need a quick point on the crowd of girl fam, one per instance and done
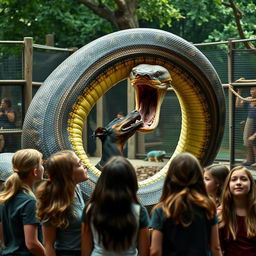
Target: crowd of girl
(209, 211)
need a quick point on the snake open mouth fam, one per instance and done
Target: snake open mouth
(151, 83)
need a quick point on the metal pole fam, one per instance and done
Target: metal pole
(130, 106)
(231, 105)
(99, 123)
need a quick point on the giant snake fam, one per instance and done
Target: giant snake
(56, 117)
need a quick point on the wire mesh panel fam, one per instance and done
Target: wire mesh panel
(166, 135)
(244, 66)
(10, 117)
(244, 62)
(218, 58)
(244, 128)
(224, 151)
(11, 67)
(115, 101)
(45, 61)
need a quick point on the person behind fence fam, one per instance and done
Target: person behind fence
(184, 222)
(7, 121)
(238, 214)
(250, 126)
(60, 204)
(114, 222)
(214, 179)
(19, 229)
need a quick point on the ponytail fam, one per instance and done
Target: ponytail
(11, 186)
(24, 161)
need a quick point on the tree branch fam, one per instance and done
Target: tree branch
(122, 18)
(126, 14)
(101, 10)
(238, 16)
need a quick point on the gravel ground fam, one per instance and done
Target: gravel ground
(144, 169)
(144, 172)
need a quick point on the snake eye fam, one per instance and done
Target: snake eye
(159, 73)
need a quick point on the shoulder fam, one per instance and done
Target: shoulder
(143, 217)
(158, 211)
(158, 219)
(158, 214)
(24, 196)
(26, 201)
(79, 192)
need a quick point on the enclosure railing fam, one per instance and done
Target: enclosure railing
(230, 59)
(237, 67)
(21, 89)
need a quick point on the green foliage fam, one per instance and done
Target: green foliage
(73, 24)
(211, 21)
(158, 10)
(229, 27)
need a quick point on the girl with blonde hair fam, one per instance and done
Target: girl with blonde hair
(184, 221)
(20, 230)
(238, 214)
(60, 204)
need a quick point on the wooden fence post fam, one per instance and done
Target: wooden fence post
(28, 64)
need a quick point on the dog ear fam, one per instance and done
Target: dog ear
(99, 132)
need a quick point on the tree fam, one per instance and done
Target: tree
(77, 22)
(238, 15)
(195, 20)
(124, 14)
(122, 17)
(71, 23)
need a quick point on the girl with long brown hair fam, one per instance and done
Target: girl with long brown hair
(238, 214)
(214, 179)
(184, 221)
(60, 204)
(115, 223)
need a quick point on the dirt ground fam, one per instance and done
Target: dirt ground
(144, 169)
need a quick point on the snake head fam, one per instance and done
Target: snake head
(151, 83)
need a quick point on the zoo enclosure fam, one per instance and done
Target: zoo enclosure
(24, 66)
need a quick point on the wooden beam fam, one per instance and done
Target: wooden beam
(28, 62)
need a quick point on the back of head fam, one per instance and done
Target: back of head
(111, 204)
(24, 161)
(118, 174)
(59, 167)
(184, 171)
(183, 188)
(55, 196)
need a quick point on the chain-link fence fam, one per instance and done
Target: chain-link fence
(14, 81)
(231, 59)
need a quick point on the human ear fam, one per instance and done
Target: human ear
(35, 172)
